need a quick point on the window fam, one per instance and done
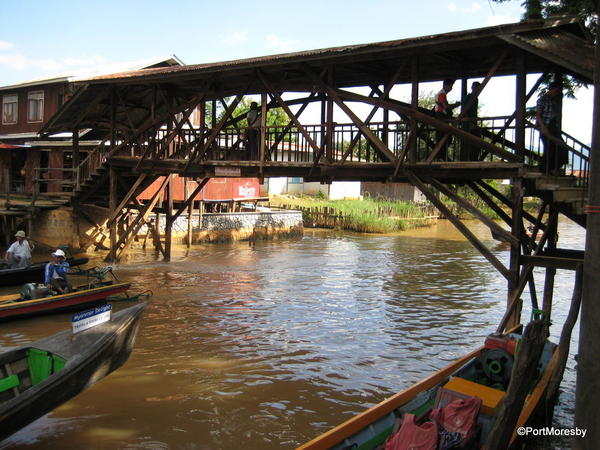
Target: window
(295, 180)
(10, 108)
(35, 106)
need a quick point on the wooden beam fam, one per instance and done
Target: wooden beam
(379, 145)
(191, 198)
(289, 112)
(523, 278)
(132, 192)
(112, 204)
(507, 202)
(388, 87)
(491, 224)
(458, 224)
(138, 221)
(403, 108)
(169, 220)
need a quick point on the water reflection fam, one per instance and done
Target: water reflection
(272, 344)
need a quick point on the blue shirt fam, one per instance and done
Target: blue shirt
(61, 270)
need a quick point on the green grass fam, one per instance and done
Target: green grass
(366, 215)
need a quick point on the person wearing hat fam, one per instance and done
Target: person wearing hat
(55, 275)
(18, 254)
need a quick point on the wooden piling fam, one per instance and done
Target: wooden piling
(523, 374)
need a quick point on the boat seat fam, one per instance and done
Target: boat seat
(9, 383)
(460, 388)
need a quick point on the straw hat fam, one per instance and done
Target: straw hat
(20, 233)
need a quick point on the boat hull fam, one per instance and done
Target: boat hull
(374, 424)
(60, 303)
(90, 356)
(33, 273)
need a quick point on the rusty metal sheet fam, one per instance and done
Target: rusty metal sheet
(564, 49)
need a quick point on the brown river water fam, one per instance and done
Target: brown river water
(267, 346)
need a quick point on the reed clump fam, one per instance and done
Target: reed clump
(366, 215)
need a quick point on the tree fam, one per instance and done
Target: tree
(539, 9)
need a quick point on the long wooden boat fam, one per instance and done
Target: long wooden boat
(37, 378)
(462, 379)
(12, 307)
(33, 273)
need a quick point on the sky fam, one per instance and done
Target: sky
(40, 38)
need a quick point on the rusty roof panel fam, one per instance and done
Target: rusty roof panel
(565, 49)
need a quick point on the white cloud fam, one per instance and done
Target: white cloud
(281, 45)
(4, 45)
(235, 37)
(500, 19)
(472, 8)
(84, 62)
(20, 62)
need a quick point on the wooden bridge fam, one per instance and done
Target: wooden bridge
(143, 122)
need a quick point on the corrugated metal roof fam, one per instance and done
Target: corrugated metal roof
(562, 48)
(308, 55)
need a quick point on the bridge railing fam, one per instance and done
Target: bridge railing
(349, 144)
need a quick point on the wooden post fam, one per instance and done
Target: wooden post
(112, 205)
(587, 401)
(188, 241)
(414, 102)
(565, 340)
(169, 221)
(550, 271)
(329, 127)
(515, 248)
(520, 101)
(76, 180)
(156, 236)
(523, 374)
(386, 122)
(263, 133)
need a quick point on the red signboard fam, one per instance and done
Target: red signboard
(215, 189)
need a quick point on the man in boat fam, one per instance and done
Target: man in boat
(55, 275)
(18, 255)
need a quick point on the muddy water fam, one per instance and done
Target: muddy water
(267, 346)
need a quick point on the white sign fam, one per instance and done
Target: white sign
(90, 318)
(228, 172)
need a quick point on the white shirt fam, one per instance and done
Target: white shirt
(253, 118)
(22, 250)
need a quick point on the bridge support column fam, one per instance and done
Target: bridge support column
(112, 206)
(515, 251)
(587, 401)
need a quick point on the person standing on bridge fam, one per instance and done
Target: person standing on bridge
(470, 106)
(443, 111)
(253, 131)
(547, 115)
(18, 254)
